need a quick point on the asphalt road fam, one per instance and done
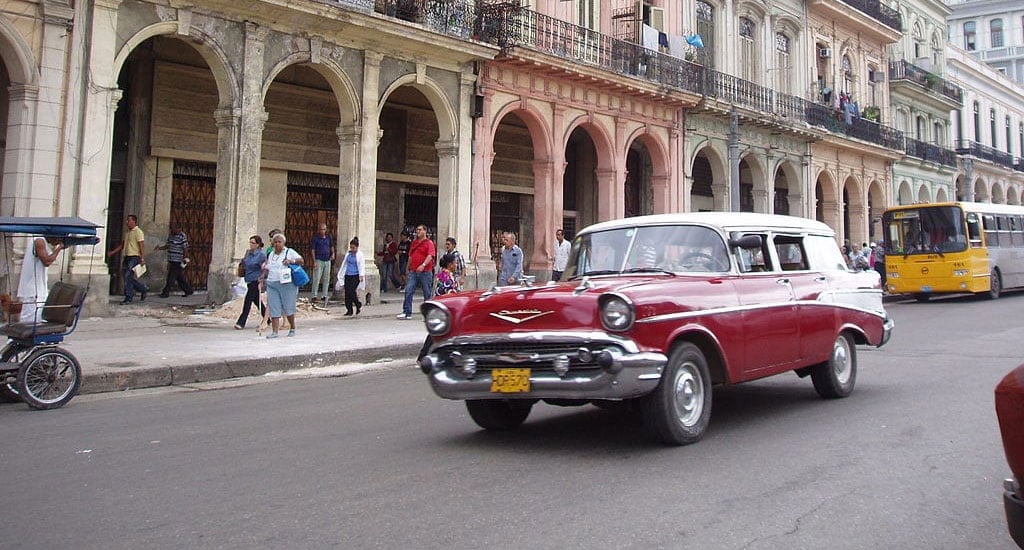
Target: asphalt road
(911, 460)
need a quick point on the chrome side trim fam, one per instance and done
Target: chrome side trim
(754, 307)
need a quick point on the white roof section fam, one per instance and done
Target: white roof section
(983, 207)
(727, 221)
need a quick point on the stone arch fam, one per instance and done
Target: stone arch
(655, 147)
(660, 170)
(209, 49)
(444, 111)
(981, 190)
(941, 196)
(535, 124)
(17, 55)
(1012, 196)
(791, 197)
(855, 211)
(826, 200)
(760, 185)
(923, 194)
(602, 141)
(998, 197)
(719, 185)
(344, 92)
(905, 195)
(876, 206)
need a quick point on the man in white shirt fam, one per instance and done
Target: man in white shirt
(561, 259)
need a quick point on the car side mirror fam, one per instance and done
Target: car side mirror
(744, 241)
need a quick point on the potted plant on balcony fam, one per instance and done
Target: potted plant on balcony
(872, 113)
(931, 81)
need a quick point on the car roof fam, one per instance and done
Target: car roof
(727, 221)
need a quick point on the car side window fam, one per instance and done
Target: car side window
(790, 251)
(823, 254)
(754, 260)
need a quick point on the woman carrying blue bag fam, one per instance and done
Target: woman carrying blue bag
(282, 283)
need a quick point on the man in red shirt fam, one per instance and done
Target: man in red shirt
(421, 270)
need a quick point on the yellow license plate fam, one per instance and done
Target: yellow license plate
(510, 380)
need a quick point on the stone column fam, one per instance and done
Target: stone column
(858, 223)
(362, 220)
(447, 188)
(461, 220)
(543, 224)
(968, 180)
(237, 198)
(19, 154)
(607, 183)
(349, 138)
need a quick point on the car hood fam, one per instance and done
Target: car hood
(569, 305)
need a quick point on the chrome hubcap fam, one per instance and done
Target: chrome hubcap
(689, 399)
(841, 360)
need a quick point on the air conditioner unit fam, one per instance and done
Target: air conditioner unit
(824, 52)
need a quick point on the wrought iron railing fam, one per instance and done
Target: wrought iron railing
(1020, 165)
(904, 70)
(456, 18)
(876, 10)
(975, 149)
(929, 152)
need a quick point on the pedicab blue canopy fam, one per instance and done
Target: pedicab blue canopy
(71, 230)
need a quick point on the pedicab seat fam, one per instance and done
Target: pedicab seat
(60, 312)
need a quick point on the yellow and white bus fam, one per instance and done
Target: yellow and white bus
(953, 247)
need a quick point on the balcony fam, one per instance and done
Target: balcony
(510, 26)
(456, 18)
(977, 150)
(931, 153)
(903, 71)
(881, 13)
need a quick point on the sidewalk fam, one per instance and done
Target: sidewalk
(178, 340)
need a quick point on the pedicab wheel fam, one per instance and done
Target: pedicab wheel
(12, 353)
(49, 378)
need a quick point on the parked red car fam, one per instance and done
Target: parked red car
(1010, 411)
(656, 310)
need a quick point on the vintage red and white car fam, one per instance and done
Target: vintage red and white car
(654, 311)
(1010, 411)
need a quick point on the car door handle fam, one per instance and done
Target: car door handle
(782, 281)
(820, 279)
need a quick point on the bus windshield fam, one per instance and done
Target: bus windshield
(926, 230)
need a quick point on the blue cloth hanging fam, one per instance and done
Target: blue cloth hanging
(695, 41)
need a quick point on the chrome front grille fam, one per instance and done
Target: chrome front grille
(539, 356)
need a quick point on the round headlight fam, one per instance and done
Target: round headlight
(438, 321)
(616, 314)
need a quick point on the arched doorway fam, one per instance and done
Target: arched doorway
(579, 183)
(512, 199)
(855, 211)
(923, 195)
(906, 195)
(710, 186)
(876, 206)
(408, 165)
(164, 153)
(941, 196)
(299, 161)
(981, 193)
(638, 196)
(746, 187)
(827, 210)
(997, 194)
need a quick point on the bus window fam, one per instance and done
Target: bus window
(1017, 230)
(991, 230)
(974, 230)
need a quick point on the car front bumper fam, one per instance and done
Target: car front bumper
(887, 331)
(563, 365)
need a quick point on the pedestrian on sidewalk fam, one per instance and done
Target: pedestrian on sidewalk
(421, 270)
(33, 287)
(561, 257)
(352, 277)
(403, 258)
(252, 263)
(324, 251)
(177, 258)
(452, 275)
(388, 261)
(134, 247)
(282, 293)
(511, 260)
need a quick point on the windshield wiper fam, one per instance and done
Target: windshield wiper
(598, 272)
(649, 270)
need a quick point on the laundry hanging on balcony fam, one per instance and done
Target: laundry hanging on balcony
(650, 38)
(695, 40)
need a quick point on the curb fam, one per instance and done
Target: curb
(177, 375)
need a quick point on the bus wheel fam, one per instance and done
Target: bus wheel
(995, 285)
(922, 297)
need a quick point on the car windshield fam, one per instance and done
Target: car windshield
(654, 249)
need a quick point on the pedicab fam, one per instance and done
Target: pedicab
(34, 368)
